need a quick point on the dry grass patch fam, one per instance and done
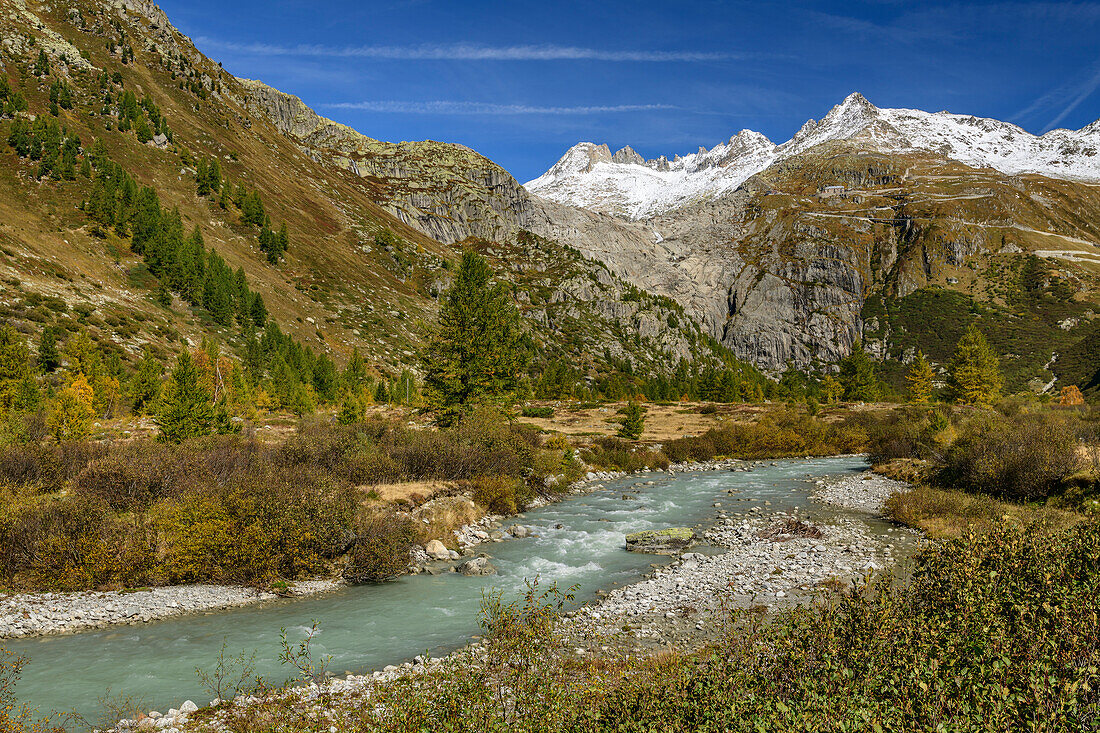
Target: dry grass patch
(413, 492)
(662, 422)
(439, 518)
(909, 470)
(950, 514)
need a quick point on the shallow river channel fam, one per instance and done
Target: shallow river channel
(579, 541)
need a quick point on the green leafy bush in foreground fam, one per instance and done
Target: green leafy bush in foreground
(998, 632)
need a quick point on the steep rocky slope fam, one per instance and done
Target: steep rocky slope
(372, 225)
(777, 250)
(445, 190)
(783, 254)
(781, 273)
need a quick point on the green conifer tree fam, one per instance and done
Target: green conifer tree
(282, 240)
(479, 353)
(202, 178)
(49, 358)
(42, 64)
(632, 423)
(353, 410)
(857, 376)
(186, 410)
(16, 374)
(145, 386)
(325, 379)
(355, 373)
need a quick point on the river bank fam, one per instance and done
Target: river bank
(745, 563)
(43, 614)
(767, 561)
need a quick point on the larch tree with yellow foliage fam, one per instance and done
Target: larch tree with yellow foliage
(920, 378)
(71, 417)
(831, 389)
(975, 374)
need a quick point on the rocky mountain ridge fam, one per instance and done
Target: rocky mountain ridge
(445, 190)
(772, 251)
(624, 184)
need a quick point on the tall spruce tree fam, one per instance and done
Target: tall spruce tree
(975, 374)
(479, 353)
(632, 422)
(857, 376)
(49, 358)
(16, 373)
(325, 379)
(186, 410)
(146, 383)
(355, 373)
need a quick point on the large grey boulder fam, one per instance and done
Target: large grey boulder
(437, 550)
(479, 565)
(661, 541)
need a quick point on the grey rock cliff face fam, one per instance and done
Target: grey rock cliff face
(774, 308)
(447, 191)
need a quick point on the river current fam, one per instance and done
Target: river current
(580, 541)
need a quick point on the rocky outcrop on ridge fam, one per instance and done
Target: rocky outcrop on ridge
(445, 190)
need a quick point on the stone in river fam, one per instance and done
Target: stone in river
(476, 566)
(436, 549)
(661, 541)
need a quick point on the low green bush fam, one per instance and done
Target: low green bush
(1023, 458)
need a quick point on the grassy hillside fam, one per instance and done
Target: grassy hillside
(354, 275)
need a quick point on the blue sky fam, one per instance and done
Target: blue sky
(522, 81)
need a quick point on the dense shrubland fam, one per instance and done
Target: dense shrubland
(622, 455)
(789, 432)
(233, 509)
(1022, 451)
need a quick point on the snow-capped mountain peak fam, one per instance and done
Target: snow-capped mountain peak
(623, 183)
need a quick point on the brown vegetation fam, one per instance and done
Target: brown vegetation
(231, 509)
(789, 529)
(775, 435)
(950, 513)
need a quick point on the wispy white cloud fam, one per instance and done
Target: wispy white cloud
(445, 107)
(1065, 99)
(907, 28)
(1082, 93)
(467, 52)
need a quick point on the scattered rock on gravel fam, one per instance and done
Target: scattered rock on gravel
(865, 492)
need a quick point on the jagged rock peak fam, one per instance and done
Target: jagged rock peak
(581, 158)
(628, 155)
